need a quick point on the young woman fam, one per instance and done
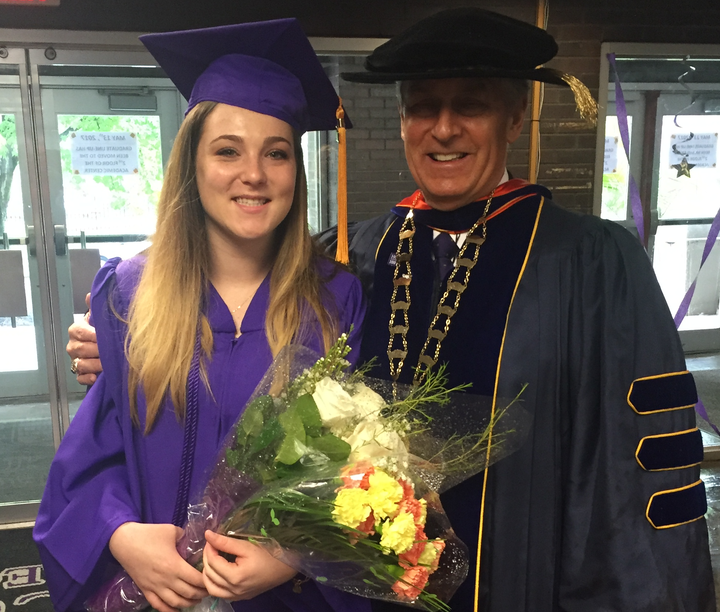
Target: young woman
(187, 330)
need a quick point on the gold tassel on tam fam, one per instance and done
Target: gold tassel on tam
(586, 104)
(342, 254)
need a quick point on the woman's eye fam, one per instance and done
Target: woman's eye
(227, 152)
(278, 154)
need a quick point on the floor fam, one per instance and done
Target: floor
(26, 449)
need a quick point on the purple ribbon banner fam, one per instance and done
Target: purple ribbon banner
(638, 217)
(621, 110)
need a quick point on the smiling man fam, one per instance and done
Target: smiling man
(456, 134)
(602, 508)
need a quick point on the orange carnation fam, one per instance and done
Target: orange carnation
(368, 525)
(408, 491)
(412, 582)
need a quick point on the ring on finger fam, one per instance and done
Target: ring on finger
(74, 365)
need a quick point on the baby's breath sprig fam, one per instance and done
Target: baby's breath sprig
(332, 365)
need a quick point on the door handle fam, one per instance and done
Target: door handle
(32, 246)
(60, 239)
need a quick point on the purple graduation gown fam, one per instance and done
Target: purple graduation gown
(107, 472)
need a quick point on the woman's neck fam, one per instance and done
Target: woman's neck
(234, 261)
(237, 269)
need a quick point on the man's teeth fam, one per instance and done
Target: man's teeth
(446, 157)
(250, 201)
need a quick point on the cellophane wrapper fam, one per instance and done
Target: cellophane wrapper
(339, 476)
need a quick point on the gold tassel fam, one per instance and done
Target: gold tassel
(586, 104)
(342, 254)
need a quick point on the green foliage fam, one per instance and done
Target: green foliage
(331, 446)
(309, 413)
(614, 195)
(270, 432)
(8, 133)
(433, 390)
(293, 445)
(253, 418)
(8, 163)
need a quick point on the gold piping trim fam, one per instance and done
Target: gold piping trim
(665, 435)
(647, 512)
(383, 238)
(492, 416)
(632, 385)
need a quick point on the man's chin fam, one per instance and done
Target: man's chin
(448, 202)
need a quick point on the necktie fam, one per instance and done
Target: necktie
(445, 252)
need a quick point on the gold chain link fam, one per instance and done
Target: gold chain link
(403, 279)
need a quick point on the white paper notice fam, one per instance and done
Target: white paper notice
(700, 150)
(104, 153)
(611, 149)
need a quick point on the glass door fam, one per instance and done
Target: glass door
(686, 199)
(84, 136)
(27, 426)
(107, 130)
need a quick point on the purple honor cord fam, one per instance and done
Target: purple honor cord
(639, 219)
(190, 438)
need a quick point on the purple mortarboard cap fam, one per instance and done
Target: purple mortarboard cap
(267, 66)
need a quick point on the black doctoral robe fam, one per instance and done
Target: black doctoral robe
(602, 507)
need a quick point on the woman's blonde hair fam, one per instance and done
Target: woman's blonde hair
(167, 312)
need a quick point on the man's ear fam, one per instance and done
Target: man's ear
(516, 120)
(402, 122)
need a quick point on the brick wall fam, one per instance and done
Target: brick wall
(378, 175)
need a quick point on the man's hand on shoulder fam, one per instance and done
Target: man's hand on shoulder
(83, 347)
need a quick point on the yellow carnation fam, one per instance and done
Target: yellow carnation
(351, 507)
(423, 512)
(384, 494)
(428, 554)
(399, 534)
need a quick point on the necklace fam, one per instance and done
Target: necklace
(440, 325)
(232, 314)
(238, 307)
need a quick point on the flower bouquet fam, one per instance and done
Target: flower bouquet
(339, 475)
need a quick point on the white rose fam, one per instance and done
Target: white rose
(369, 403)
(371, 440)
(334, 403)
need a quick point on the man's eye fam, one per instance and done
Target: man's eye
(422, 109)
(471, 107)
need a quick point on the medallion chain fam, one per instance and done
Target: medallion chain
(440, 325)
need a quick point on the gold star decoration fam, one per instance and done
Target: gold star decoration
(683, 168)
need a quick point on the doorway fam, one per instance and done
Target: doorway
(84, 137)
